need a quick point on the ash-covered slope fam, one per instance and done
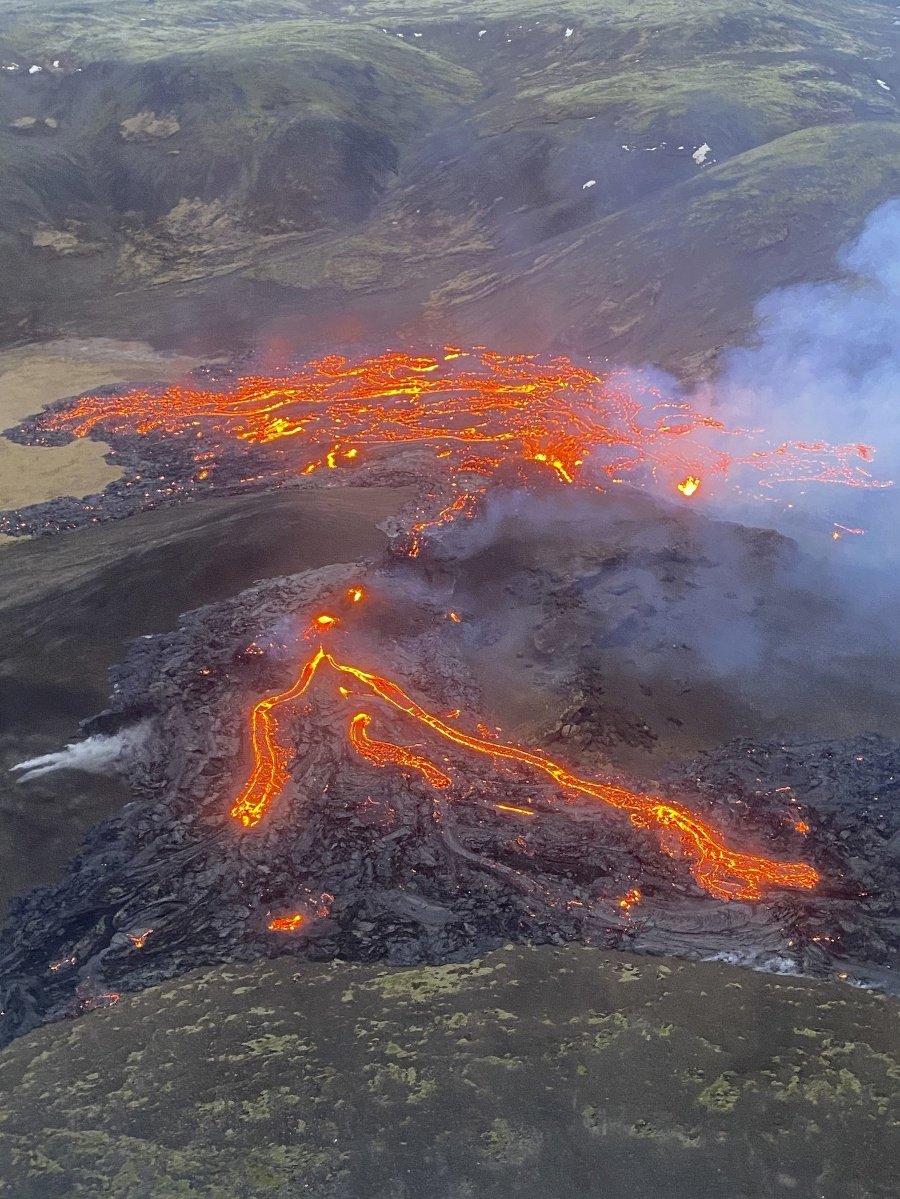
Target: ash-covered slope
(361, 854)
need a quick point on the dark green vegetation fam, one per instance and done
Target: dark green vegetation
(547, 1074)
(220, 169)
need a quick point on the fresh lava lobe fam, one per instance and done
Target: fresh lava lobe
(723, 872)
(287, 924)
(383, 753)
(631, 897)
(481, 412)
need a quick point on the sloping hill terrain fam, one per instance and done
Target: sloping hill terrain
(547, 1072)
(602, 178)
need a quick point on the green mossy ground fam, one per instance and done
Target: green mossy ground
(418, 168)
(535, 1072)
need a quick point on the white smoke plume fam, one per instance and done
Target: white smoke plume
(826, 365)
(97, 755)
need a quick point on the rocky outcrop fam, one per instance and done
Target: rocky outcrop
(146, 126)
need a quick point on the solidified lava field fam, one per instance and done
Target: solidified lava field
(313, 763)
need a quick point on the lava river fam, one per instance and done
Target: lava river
(479, 413)
(723, 872)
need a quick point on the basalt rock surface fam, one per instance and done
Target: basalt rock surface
(382, 865)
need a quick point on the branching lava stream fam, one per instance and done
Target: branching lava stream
(481, 413)
(462, 856)
(723, 872)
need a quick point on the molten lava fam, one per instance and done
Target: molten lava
(629, 899)
(482, 413)
(287, 924)
(383, 753)
(723, 872)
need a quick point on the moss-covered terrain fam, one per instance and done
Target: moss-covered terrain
(515, 172)
(536, 1072)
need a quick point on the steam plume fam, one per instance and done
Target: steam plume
(827, 361)
(97, 755)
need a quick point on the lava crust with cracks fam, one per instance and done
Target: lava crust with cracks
(460, 419)
(270, 818)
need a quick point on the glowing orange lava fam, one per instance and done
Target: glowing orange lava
(286, 924)
(629, 899)
(383, 753)
(103, 1000)
(723, 872)
(139, 940)
(482, 412)
(462, 506)
(321, 624)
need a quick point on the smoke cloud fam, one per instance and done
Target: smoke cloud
(826, 365)
(97, 755)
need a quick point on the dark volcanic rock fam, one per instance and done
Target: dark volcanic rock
(176, 467)
(381, 865)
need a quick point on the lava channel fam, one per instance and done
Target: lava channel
(480, 413)
(723, 872)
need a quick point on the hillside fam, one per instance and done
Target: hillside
(207, 175)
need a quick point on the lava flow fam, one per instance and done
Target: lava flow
(482, 412)
(723, 872)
